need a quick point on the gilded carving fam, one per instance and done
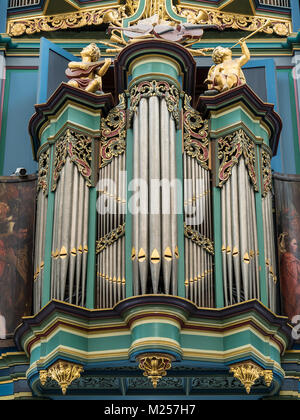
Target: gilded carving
(248, 373)
(78, 148)
(116, 14)
(87, 74)
(64, 373)
(227, 73)
(75, 20)
(199, 239)
(266, 172)
(110, 238)
(161, 89)
(113, 133)
(155, 366)
(234, 21)
(43, 171)
(231, 148)
(196, 138)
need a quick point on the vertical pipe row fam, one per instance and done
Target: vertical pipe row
(42, 202)
(70, 236)
(157, 161)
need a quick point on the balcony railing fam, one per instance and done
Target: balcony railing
(13, 4)
(275, 3)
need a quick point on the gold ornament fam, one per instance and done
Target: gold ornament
(248, 373)
(155, 366)
(227, 73)
(64, 373)
(268, 376)
(43, 377)
(87, 74)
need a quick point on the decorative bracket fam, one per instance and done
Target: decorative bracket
(155, 366)
(248, 373)
(64, 373)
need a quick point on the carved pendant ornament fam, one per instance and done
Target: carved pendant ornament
(64, 373)
(78, 148)
(248, 373)
(113, 133)
(43, 172)
(161, 89)
(196, 137)
(231, 148)
(155, 366)
(266, 169)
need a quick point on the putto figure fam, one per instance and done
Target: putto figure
(87, 74)
(227, 73)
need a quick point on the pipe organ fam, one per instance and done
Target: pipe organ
(154, 195)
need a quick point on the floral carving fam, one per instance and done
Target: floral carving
(43, 171)
(234, 20)
(199, 239)
(113, 133)
(231, 148)
(266, 172)
(110, 238)
(161, 89)
(196, 138)
(79, 148)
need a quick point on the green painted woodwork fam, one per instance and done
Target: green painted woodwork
(233, 117)
(154, 69)
(225, 339)
(155, 329)
(72, 116)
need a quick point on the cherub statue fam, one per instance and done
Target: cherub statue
(87, 74)
(227, 73)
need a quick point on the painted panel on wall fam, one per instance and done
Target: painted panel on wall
(19, 101)
(287, 198)
(17, 213)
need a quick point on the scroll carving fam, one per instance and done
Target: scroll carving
(196, 138)
(160, 89)
(113, 133)
(43, 172)
(266, 172)
(231, 148)
(79, 148)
